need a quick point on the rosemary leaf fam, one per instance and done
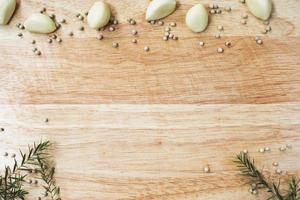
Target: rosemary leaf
(247, 167)
(12, 183)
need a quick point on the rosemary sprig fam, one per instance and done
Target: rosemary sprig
(29, 159)
(11, 184)
(247, 167)
(47, 175)
(294, 189)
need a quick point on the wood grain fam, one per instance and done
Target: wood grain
(155, 151)
(84, 70)
(131, 125)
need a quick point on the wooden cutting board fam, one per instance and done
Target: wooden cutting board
(129, 124)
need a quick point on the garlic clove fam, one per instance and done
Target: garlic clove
(99, 15)
(7, 8)
(197, 18)
(158, 9)
(260, 8)
(39, 23)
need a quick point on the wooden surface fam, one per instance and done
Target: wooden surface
(133, 125)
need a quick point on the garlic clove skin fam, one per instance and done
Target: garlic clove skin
(158, 9)
(7, 9)
(197, 18)
(39, 23)
(99, 15)
(260, 8)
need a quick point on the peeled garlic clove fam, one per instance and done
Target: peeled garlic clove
(197, 18)
(99, 15)
(7, 8)
(158, 9)
(260, 8)
(39, 23)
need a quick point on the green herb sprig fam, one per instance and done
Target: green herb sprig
(12, 183)
(247, 167)
(47, 175)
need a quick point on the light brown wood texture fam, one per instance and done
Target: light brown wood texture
(132, 125)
